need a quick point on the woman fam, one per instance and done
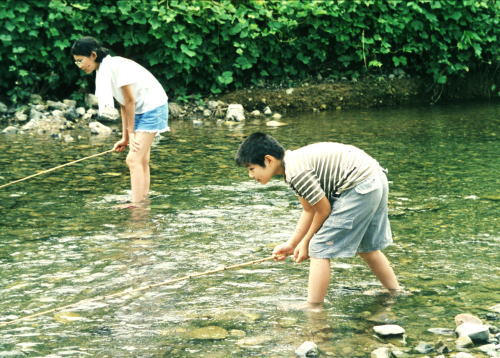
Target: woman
(143, 106)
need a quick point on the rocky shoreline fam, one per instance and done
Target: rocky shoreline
(56, 119)
(59, 119)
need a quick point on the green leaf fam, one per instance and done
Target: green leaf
(187, 51)
(226, 78)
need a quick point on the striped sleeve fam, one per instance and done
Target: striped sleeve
(306, 184)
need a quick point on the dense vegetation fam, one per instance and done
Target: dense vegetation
(209, 46)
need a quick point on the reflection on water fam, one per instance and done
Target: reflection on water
(62, 241)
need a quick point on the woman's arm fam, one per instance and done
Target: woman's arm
(127, 111)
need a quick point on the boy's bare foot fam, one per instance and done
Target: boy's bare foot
(301, 306)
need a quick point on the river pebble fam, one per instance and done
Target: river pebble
(389, 330)
(308, 349)
(382, 352)
(424, 348)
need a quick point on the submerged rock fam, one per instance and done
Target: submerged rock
(209, 332)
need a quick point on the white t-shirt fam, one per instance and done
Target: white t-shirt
(148, 92)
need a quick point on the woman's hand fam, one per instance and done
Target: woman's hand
(120, 145)
(282, 251)
(301, 252)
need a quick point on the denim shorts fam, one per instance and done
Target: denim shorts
(358, 222)
(155, 120)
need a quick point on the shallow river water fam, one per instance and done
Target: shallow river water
(61, 241)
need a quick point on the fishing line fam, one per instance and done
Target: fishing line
(55, 168)
(128, 291)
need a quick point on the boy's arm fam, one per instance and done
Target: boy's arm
(310, 221)
(321, 211)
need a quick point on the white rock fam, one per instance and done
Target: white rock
(389, 330)
(267, 111)
(80, 111)
(10, 130)
(275, 124)
(20, 116)
(256, 113)
(382, 352)
(289, 91)
(235, 112)
(476, 332)
(463, 355)
(91, 100)
(110, 114)
(307, 349)
(70, 103)
(99, 129)
(495, 308)
(276, 116)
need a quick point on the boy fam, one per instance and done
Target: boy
(343, 192)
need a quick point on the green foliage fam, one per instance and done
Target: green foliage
(208, 46)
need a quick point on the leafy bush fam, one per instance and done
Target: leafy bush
(209, 46)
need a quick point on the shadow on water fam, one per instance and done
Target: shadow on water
(61, 241)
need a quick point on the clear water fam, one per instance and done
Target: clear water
(62, 241)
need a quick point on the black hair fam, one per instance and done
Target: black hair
(255, 147)
(87, 44)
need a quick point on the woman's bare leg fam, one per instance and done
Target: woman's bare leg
(138, 163)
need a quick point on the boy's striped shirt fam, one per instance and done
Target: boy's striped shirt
(326, 169)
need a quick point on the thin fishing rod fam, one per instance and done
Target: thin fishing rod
(55, 168)
(127, 291)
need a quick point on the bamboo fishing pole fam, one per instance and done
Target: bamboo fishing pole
(55, 168)
(126, 291)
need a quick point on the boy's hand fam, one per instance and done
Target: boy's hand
(282, 251)
(301, 252)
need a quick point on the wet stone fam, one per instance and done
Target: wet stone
(307, 349)
(382, 352)
(464, 342)
(463, 355)
(389, 330)
(424, 348)
(495, 308)
(442, 331)
(209, 332)
(476, 332)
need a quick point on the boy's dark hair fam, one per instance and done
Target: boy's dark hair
(85, 46)
(255, 147)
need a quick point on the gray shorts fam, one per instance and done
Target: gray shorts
(358, 222)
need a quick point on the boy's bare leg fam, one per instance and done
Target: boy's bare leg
(381, 267)
(319, 278)
(138, 163)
